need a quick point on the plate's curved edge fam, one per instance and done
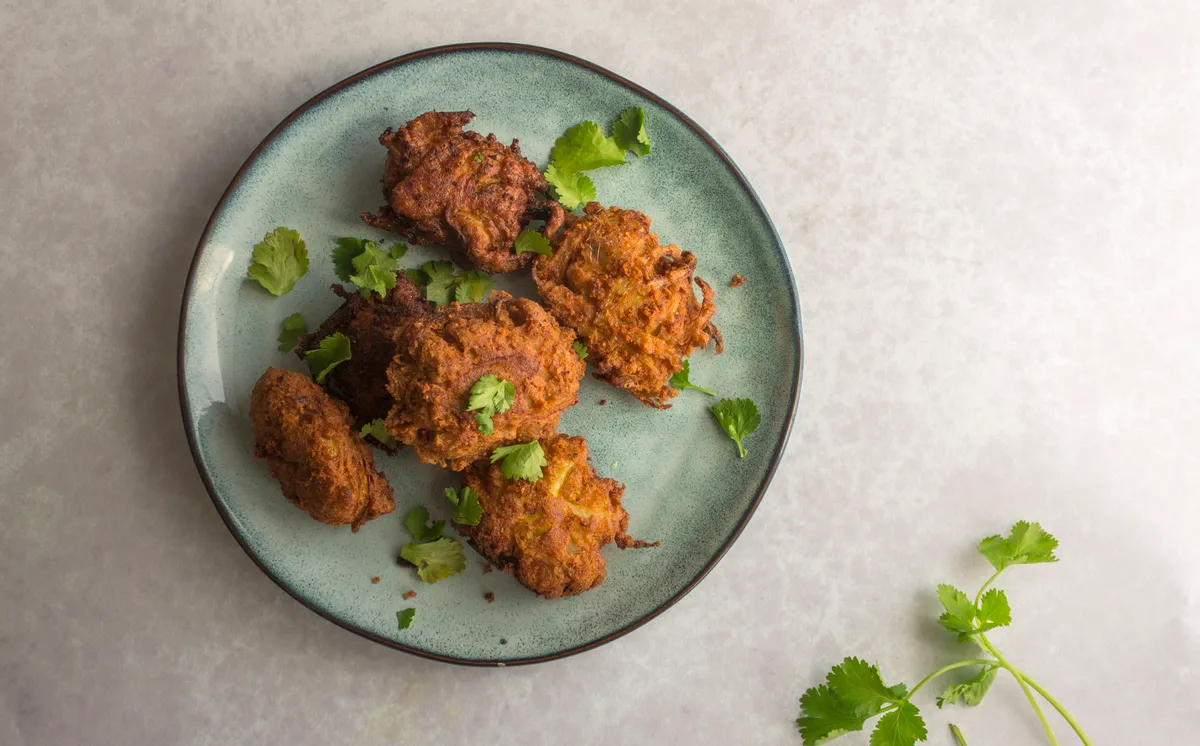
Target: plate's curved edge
(793, 295)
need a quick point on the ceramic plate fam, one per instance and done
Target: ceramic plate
(685, 485)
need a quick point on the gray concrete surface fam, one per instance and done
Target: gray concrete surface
(991, 209)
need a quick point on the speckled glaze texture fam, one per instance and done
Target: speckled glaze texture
(685, 485)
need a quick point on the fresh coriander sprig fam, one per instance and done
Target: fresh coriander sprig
(436, 557)
(738, 418)
(377, 430)
(854, 691)
(442, 285)
(278, 261)
(290, 331)
(521, 461)
(585, 147)
(329, 353)
(490, 396)
(680, 380)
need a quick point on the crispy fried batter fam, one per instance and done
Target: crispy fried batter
(375, 327)
(458, 189)
(548, 533)
(322, 465)
(629, 299)
(447, 351)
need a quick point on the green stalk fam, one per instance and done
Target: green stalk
(985, 585)
(951, 667)
(958, 736)
(1020, 677)
(1061, 710)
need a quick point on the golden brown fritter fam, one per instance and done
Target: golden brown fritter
(628, 299)
(458, 189)
(548, 533)
(448, 350)
(375, 327)
(322, 465)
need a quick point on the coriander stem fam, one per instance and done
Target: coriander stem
(1061, 710)
(958, 736)
(951, 667)
(988, 583)
(1020, 677)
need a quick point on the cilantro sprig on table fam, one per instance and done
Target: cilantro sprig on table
(278, 261)
(585, 147)
(442, 285)
(365, 264)
(680, 380)
(329, 353)
(467, 510)
(738, 418)
(436, 557)
(490, 396)
(854, 691)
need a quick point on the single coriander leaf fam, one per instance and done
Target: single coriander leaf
(398, 250)
(960, 612)
(629, 131)
(739, 418)
(439, 288)
(532, 242)
(290, 332)
(521, 461)
(473, 287)
(570, 187)
(467, 510)
(580, 349)
(900, 727)
(374, 271)
(994, 610)
(416, 277)
(435, 560)
(898, 690)
(491, 395)
(680, 380)
(376, 430)
(331, 351)
(478, 157)
(824, 716)
(584, 147)
(486, 426)
(416, 522)
(1027, 544)
(279, 260)
(405, 617)
(858, 684)
(343, 256)
(971, 691)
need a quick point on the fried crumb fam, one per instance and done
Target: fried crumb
(375, 580)
(487, 569)
(490, 596)
(737, 281)
(409, 594)
(603, 402)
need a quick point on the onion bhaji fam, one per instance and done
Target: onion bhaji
(628, 298)
(375, 327)
(548, 534)
(458, 189)
(446, 351)
(322, 465)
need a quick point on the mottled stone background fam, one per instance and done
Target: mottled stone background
(992, 212)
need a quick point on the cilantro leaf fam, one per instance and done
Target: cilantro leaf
(435, 560)
(279, 260)
(521, 461)
(960, 612)
(971, 691)
(629, 131)
(570, 187)
(739, 418)
(580, 349)
(416, 523)
(343, 256)
(858, 684)
(490, 396)
(1026, 544)
(374, 271)
(467, 510)
(398, 250)
(900, 727)
(440, 283)
(331, 351)
(824, 716)
(530, 241)
(585, 147)
(994, 610)
(290, 332)
(472, 287)
(680, 380)
(484, 420)
(376, 430)
(405, 617)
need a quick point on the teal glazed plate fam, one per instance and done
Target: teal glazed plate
(685, 485)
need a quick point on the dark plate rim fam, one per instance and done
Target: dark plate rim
(526, 49)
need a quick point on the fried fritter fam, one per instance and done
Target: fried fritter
(448, 350)
(458, 189)
(375, 327)
(322, 465)
(629, 299)
(548, 534)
